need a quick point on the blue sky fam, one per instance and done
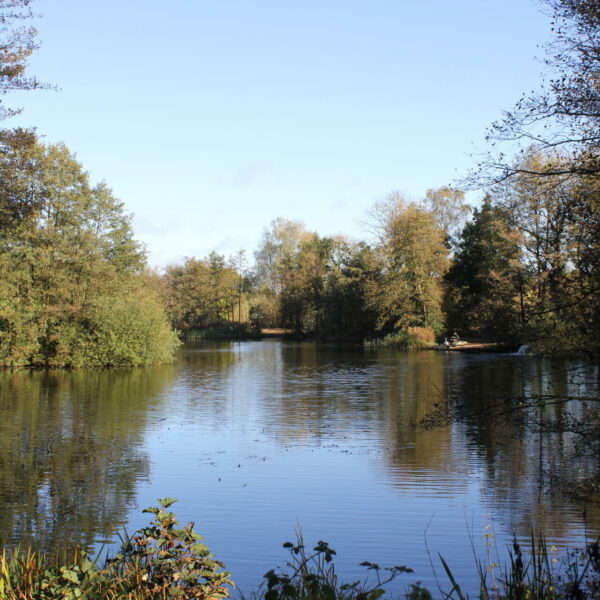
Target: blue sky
(211, 118)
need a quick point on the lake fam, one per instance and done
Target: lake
(259, 439)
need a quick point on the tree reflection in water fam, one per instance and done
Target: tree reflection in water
(70, 451)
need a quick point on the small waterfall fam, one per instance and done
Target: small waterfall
(522, 351)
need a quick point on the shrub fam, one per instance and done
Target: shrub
(158, 562)
(412, 338)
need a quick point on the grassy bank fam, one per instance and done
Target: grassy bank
(162, 561)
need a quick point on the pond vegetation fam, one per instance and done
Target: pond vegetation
(162, 561)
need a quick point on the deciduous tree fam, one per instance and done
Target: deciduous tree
(414, 258)
(449, 209)
(64, 262)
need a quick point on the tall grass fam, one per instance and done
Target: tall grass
(539, 574)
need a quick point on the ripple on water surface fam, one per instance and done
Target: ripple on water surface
(258, 438)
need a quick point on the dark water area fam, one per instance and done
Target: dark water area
(257, 439)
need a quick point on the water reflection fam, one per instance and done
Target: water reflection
(70, 451)
(525, 461)
(320, 396)
(256, 437)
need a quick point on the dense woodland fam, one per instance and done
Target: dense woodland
(522, 266)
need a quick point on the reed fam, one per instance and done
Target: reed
(541, 573)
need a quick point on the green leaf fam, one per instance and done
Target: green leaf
(70, 575)
(455, 586)
(166, 502)
(376, 593)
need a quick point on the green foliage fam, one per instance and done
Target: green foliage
(312, 576)
(265, 308)
(28, 575)
(526, 266)
(129, 331)
(408, 290)
(245, 331)
(158, 562)
(485, 280)
(334, 288)
(71, 291)
(206, 293)
(550, 189)
(163, 561)
(412, 338)
(346, 313)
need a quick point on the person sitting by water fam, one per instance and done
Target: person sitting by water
(454, 339)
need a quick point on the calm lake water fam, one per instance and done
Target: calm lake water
(257, 439)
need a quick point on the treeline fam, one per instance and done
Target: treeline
(329, 287)
(75, 289)
(72, 291)
(522, 267)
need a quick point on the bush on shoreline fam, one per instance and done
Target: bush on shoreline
(412, 338)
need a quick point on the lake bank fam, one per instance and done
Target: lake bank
(478, 347)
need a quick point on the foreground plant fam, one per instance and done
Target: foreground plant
(158, 562)
(543, 574)
(28, 575)
(312, 576)
(162, 561)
